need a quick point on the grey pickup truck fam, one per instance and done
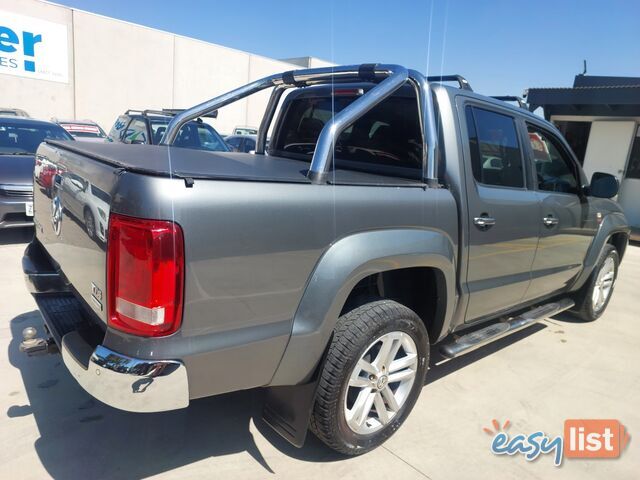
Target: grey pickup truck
(393, 216)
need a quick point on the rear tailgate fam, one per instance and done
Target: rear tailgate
(71, 219)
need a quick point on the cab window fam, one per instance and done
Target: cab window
(555, 171)
(496, 157)
(386, 140)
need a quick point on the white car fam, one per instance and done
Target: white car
(86, 202)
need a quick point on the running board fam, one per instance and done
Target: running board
(476, 339)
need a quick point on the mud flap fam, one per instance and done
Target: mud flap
(287, 410)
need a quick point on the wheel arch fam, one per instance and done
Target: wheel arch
(348, 262)
(614, 230)
(422, 289)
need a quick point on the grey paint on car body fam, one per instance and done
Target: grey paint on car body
(271, 257)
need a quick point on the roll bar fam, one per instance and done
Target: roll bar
(389, 78)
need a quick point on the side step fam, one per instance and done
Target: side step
(476, 339)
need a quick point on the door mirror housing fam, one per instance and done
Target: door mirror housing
(603, 185)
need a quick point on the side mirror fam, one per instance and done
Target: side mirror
(603, 185)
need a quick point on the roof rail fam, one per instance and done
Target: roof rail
(464, 84)
(166, 112)
(176, 111)
(512, 98)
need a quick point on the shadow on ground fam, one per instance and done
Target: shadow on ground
(81, 437)
(11, 236)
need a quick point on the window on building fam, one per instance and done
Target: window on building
(577, 136)
(496, 157)
(554, 168)
(633, 170)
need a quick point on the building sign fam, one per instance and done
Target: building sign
(33, 48)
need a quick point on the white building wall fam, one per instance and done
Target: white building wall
(119, 66)
(202, 71)
(116, 65)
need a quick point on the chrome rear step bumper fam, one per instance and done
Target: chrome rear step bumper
(473, 340)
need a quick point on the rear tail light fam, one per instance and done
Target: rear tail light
(145, 275)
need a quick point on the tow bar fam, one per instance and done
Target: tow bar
(33, 346)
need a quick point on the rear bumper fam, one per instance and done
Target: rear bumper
(13, 212)
(127, 383)
(123, 382)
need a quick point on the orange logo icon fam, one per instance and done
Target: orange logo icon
(594, 438)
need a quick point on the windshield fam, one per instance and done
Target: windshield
(24, 138)
(195, 135)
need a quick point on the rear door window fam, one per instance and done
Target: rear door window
(496, 156)
(386, 140)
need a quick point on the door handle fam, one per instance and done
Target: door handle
(550, 221)
(484, 222)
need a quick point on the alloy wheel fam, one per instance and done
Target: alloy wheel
(380, 383)
(604, 284)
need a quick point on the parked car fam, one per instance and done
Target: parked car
(13, 112)
(83, 130)
(148, 127)
(245, 131)
(378, 230)
(242, 143)
(19, 139)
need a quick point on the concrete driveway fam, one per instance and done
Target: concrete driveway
(537, 378)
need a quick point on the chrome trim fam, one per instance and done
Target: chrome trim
(424, 94)
(127, 383)
(484, 221)
(478, 338)
(326, 141)
(269, 112)
(16, 190)
(215, 103)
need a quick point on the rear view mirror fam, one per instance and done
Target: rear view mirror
(603, 185)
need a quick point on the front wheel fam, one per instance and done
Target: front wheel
(593, 298)
(372, 376)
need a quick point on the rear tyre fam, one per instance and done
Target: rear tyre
(372, 376)
(593, 298)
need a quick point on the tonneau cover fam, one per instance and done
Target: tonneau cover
(185, 162)
(202, 164)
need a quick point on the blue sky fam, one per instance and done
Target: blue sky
(501, 46)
